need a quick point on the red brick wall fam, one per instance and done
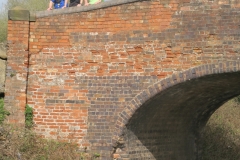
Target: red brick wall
(85, 66)
(16, 73)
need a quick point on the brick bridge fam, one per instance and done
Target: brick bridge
(128, 79)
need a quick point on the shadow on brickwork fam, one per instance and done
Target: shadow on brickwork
(167, 126)
(2, 95)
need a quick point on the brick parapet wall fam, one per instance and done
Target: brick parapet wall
(88, 63)
(17, 70)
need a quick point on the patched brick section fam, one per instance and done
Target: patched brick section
(60, 106)
(108, 94)
(63, 98)
(16, 72)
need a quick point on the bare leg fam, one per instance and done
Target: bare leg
(80, 4)
(86, 3)
(98, 1)
(50, 5)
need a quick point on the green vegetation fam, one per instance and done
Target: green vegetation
(3, 112)
(96, 155)
(31, 5)
(21, 143)
(221, 136)
(3, 28)
(28, 116)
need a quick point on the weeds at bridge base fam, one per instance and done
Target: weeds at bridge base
(23, 144)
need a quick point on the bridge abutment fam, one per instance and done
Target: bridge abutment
(17, 65)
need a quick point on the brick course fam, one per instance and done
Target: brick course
(17, 70)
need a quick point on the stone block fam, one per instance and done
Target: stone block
(18, 14)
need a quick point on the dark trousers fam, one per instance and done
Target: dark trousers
(74, 3)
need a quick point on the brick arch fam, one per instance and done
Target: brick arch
(162, 85)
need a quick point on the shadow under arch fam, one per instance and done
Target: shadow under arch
(163, 121)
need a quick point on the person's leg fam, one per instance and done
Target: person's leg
(94, 1)
(80, 3)
(65, 4)
(98, 1)
(85, 3)
(74, 3)
(50, 6)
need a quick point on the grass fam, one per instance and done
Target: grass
(3, 112)
(3, 27)
(28, 117)
(19, 143)
(221, 136)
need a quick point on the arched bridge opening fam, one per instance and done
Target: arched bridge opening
(166, 126)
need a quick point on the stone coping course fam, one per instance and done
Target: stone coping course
(69, 10)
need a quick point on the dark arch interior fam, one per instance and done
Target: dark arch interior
(166, 127)
(2, 95)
